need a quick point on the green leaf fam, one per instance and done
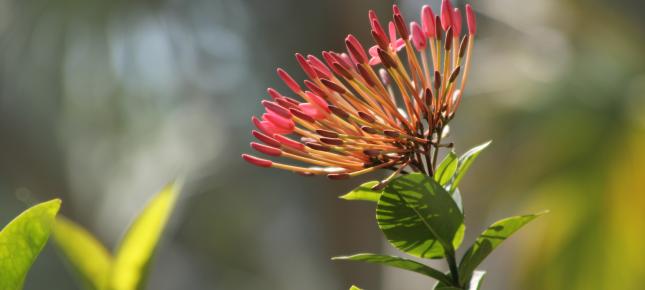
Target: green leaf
(446, 169)
(130, 268)
(363, 192)
(87, 257)
(488, 241)
(22, 240)
(398, 262)
(465, 161)
(354, 288)
(419, 217)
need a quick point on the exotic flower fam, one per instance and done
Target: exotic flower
(355, 117)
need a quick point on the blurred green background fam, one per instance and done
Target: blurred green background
(102, 102)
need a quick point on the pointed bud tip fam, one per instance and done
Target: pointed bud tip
(257, 161)
(470, 19)
(268, 150)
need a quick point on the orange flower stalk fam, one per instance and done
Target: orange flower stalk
(386, 107)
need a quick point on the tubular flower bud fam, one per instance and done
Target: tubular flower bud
(456, 22)
(446, 14)
(427, 21)
(470, 19)
(418, 37)
(356, 117)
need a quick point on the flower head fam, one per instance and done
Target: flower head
(361, 111)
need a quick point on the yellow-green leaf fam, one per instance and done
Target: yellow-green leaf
(446, 169)
(22, 240)
(354, 288)
(87, 257)
(363, 192)
(489, 240)
(131, 261)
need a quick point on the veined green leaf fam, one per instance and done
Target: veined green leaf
(363, 192)
(130, 268)
(465, 161)
(22, 240)
(397, 262)
(87, 257)
(419, 217)
(446, 169)
(488, 241)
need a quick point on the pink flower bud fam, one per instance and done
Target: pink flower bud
(470, 18)
(319, 66)
(277, 120)
(355, 49)
(313, 111)
(257, 161)
(446, 14)
(456, 23)
(275, 108)
(289, 143)
(427, 21)
(304, 64)
(268, 150)
(274, 94)
(289, 81)
(418, 37)
(266, 139)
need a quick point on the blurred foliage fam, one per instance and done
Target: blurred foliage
(22, 240)
(128, 269)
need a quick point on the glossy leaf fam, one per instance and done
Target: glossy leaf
(419, 217)
(446, 169)
(488, 241)
(398, 262)
(87, 257)
(22, 240)
(354, 288)
(465, 161)
(130, 268)
(363, 192)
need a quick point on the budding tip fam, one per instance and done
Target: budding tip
(470, 19)
(268, 150)
(257, 161)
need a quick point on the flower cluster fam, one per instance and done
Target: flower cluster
(385, 107)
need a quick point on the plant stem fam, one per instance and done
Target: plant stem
(452, 263)
(436, 148)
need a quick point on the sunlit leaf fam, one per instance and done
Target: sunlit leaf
(363, 192)
(465, 161)
(354, 288)
(87, 257)
(130, 268)
(419, 217)
(488, 241)
(397, 262)
(446, 169)
(22, 240)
